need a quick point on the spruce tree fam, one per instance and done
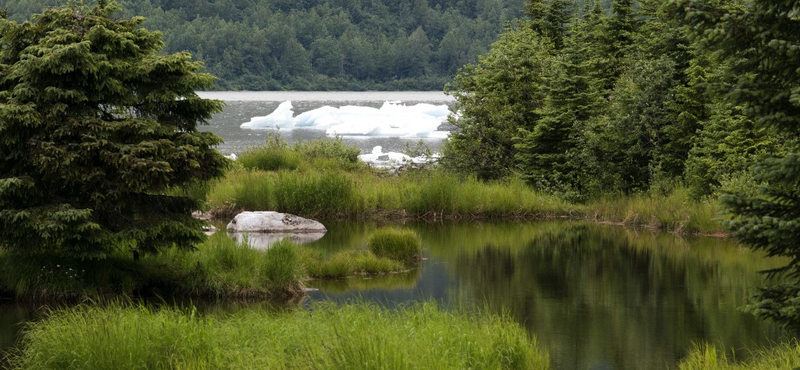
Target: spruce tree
(764, 39)
(495, 97)
(95, 128)
(551, 152)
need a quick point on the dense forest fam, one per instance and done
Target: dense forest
(321, 44)
(608, 102)
(649, 97)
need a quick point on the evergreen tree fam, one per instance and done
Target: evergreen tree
(549, 19)
(764, 37)
(496, 97)
(551, 153)
(95, 127)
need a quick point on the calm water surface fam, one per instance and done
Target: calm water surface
(598, 297)
(241, 106)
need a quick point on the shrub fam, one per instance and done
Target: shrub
(398, 244)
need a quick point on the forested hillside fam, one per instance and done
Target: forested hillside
(321, 44)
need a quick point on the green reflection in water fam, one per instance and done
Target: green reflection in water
(605, 297)
(599, 297)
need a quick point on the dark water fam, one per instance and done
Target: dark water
(242, 106)
(598, 297)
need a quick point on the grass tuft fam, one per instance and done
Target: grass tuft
(706, 357)
(398, 244)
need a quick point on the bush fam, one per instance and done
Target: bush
(400, 245)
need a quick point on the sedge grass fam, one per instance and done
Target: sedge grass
(397, 244)
(672, 212)
(217, 268)
(706, 357)
(353, 336)
(324, 178)
(347, 263)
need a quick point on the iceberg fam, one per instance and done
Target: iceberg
(392, 119)
(281, 118)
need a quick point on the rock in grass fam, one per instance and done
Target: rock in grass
(273, 222)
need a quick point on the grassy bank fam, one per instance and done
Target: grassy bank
(783, 356)
(219, 268)
(434, 195)
(325, 179)
(356, 336)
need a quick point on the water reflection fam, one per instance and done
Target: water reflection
(598, 297)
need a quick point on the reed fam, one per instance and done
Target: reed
(353, 336)
(705, 357)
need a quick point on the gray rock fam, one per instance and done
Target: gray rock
(273, 222)
(266, 240)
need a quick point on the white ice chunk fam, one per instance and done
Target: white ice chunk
(391, 120)
(378, 159)
(282, 117)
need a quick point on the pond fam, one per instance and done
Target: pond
(597, 296)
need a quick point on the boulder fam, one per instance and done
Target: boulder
(273, 222)
(266, 240)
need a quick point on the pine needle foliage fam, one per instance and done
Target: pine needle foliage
(763, 37)
(95, 126)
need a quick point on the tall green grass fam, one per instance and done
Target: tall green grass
(347, 263)
(222, 268)
(308, 194)
(675, 211)
(362, 194)
(329, 181)
(218, 268)
(398, 244)
(276, 155)
(354, 336)
(704, 357)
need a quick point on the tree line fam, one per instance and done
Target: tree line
(648, 97)
(594, 101)
(320, 44)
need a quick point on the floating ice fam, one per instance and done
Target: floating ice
(378, 159)
(282, 117)
(392, 120)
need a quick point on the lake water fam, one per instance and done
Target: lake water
(242, 106)
(598, 297)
